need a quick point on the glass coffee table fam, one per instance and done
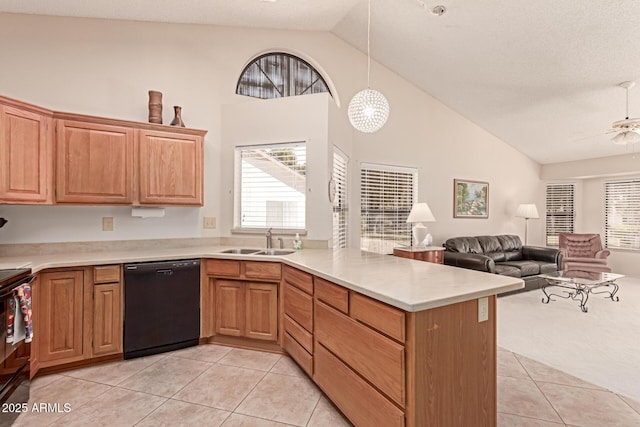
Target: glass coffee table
(577, 285)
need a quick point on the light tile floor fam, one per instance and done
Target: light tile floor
(219, 386)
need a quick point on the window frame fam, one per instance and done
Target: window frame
(631, 204)
(289, 80)
(238, 190)
(400, 229)
(552, 239)
(340, 205)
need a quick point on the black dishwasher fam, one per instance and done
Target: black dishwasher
(161, 306)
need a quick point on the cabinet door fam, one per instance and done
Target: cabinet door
(61, 316)
(107, 319)
(170, 168)
(25, 157)
(94, 163)
(230, 307)
(261, 311)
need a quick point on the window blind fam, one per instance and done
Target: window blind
(276, 75)
(559, 211)
(272, 182)
(387, 195)
(340, 202)
(622, 214)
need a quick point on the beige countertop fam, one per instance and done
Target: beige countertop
(404, 283)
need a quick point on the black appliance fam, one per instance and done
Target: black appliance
(14, 364)
(161, 306)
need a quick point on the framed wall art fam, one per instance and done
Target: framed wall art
(470, 199)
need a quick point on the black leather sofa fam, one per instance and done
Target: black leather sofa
(503, 255)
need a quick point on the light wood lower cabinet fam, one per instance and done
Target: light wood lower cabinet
(298, 289)
(107, 310)
(230, 307)
(77, 315)
(240, 299)
(61, 317)
(246, 309)
(107, 319)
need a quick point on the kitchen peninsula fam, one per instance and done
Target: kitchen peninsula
(391, 341)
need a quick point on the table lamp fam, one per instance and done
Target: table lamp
(527, 211)
(420, 213)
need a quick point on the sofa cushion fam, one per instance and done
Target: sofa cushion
(491, 247)
(526, 267)
(507, 270)
(512, 246)
(465, 245)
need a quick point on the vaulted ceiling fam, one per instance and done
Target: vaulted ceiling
(541, 75)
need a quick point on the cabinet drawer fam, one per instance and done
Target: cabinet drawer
(360, 402)
(223, 267)
(299, 333)
(298, 306)
(299, 279)
(333, 295)
(380, 316)
(299, 354)
(374, 356)
(262, 270)
(106, 274)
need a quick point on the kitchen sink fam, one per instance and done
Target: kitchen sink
(242, 251)
(275, 252)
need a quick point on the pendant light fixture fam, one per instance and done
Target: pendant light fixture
(368, 109)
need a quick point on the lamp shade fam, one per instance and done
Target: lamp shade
(527, 210)
(420, 212)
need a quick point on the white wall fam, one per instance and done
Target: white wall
(103, 67)
(589, 177)
(293, 119)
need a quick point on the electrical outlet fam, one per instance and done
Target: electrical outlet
(483, 309)
(209, 222)
(107, 223)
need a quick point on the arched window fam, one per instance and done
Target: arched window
(277, 74)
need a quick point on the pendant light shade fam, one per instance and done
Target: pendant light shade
(368, 110)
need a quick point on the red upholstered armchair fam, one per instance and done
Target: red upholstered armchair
(583, 252)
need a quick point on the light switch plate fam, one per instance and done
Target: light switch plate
(483, 309)
(209, 222)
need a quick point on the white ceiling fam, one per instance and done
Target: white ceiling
(541, 75)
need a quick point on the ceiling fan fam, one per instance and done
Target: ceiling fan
(627, 130)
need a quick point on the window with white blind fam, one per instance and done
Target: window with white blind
(560, 211)
(622, 214)
(270, 186)
(340, 202)
(387, 194)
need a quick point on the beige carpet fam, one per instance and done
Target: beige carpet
(601, 346)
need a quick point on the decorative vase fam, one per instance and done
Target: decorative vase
(177, 120)
(155, 107)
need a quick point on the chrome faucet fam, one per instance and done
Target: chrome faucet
(269, 241)
(281, 242)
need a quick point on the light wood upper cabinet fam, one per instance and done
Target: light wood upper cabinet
(94, 163)
(25, 154)
(170, 168)
(97, 160)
